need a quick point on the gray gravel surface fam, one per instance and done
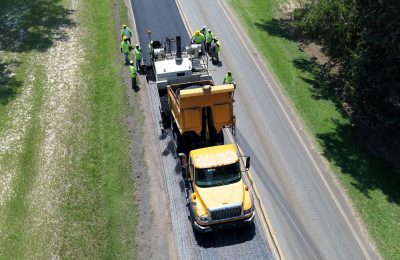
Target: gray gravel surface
(312, 217)
(246, 243)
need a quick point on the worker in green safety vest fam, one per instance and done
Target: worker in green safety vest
(125, 31)
(215, 48)
(209, 38)
(199, 38)
(229, 79)
(125, 48)
(133, 74)
(138, 56)
(150, 49)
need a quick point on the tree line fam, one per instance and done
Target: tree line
(362, 40)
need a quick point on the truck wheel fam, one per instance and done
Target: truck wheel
(177, 137)
(191, 217)
(220, 137)
(179, 143)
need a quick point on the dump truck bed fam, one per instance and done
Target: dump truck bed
(192, 103)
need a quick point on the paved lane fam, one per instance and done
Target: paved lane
(161, 17)
(247, 243)
(307, 209)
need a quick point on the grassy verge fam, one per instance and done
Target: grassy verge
(371, 183)
(101, 203)
(83, 207)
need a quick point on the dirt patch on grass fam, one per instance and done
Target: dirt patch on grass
(154, 235)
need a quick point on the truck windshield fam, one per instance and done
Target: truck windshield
(222, 175)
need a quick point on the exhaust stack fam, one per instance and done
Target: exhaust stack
(178, 58)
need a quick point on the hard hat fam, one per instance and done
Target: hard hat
(151, 42)
(204, 27)
(137, 45)
(124, 26)
(197, 33)
(125, 38)
(131, 62)
(209, 30)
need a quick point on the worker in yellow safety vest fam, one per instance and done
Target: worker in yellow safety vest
(125, 31)
(138, 57)
(133, 74)
(125, 48)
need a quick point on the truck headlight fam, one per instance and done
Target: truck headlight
(248, 211)
(203, 218)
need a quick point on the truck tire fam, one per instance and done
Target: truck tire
(220, 137)
(192, 220)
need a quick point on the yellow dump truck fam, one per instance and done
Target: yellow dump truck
(218, 198)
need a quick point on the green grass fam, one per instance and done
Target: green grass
(97, 216)
(13, 241)
(101, 203)
(373, 185)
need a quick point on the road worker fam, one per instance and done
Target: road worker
(125, 48)
(138, 57)
(150, 49)
(203, 30)
(199, 38)
(125, 31)
(133, 74)
(229, 79)
(215, 48)
(209, 38)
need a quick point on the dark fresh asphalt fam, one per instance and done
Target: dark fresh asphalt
(163, 19)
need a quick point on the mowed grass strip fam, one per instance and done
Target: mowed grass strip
(14, 218)
(372, 184)
(100, 213)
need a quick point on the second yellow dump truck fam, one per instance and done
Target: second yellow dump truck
(218, 198)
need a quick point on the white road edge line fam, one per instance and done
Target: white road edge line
(265, 221)
(224, 9)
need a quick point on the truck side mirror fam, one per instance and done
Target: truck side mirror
(247, 165)
(184, 161)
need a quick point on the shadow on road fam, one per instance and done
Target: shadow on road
(28, 26)
(226, 237)
(345, 147)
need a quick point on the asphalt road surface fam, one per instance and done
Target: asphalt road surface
(310, 214)
(245, 243)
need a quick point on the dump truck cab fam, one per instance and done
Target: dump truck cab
(219, 199)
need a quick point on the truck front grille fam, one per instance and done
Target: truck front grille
(225, 213)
